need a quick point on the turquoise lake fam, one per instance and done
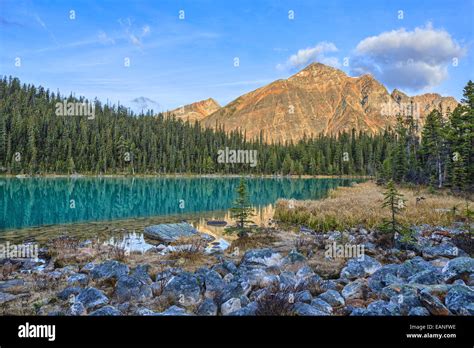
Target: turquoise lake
(32, 202)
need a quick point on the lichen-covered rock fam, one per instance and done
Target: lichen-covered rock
(213, 284)
(321, 305)
(109, 269)
(460, 300)
(184, 289)
(419, 311)
(261, 258)
(92, 298)
(414, 266)
(360, 267)
(458, 268)
(444, 249)
(357, 289)
(333, 298)
(174, 311)
(304, 309)
(130, 288)
(207, 308)
(427, 277)
(384, 276)
(433, 303)
(77, 309)
(106, 311)
(230, 306)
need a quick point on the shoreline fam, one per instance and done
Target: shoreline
(177, 175)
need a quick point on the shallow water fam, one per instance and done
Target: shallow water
(96, 206)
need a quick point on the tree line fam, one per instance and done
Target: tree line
(34, 140)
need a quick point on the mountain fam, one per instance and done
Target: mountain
(144, 104)
(196, 111)
(319, 99)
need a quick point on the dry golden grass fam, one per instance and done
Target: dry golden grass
(361, 204)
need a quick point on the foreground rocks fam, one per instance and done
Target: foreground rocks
(266, 282)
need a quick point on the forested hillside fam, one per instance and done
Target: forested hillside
(34, 140)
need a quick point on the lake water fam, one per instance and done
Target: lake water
(35, 202)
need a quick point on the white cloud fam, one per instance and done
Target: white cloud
(408, 59)
(311, 54)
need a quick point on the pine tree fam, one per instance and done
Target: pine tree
(241, 211)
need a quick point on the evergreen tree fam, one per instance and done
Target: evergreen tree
(241, 211)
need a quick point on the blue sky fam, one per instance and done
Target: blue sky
(426, 48)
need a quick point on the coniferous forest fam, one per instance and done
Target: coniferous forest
(34, 140)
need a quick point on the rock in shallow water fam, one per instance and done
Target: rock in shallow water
(168, 233)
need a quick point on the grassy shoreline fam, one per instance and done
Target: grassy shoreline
(360, 205)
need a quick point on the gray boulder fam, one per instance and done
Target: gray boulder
(360, 267)
(213, 284)
(230, 306)
(433, 303)
(168, 233)
(358, 289)
(106, 312)
(207, 308)
(109, 269)
(261, 258)
(427, 277)
(458, 268)
(77, 309)
(130, 288)
(92, 298)
(333, 298)
(382, 308)
(304, 309)
(414, 266)
(384, 276)
(174, 311)
(321, 305)
(419, 312)
(444, 249)
(460, 300)
(184, 289)
(80, 279)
